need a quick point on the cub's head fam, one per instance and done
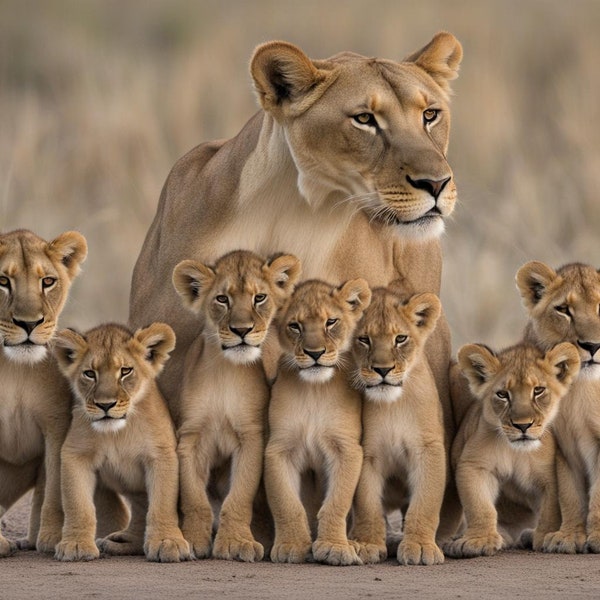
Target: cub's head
(35, 277)
(109, 368)
(371, 130)
(238, 297)
(520, 387)
(316, 326)
(388, 341)
(564, 306)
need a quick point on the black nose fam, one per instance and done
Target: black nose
(589, 347)
(383, 371)
(429, 185)
(28, 326)
(241, 331)
(314, 354)
(105, 406)
(522, 426)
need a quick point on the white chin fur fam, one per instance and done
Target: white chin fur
(108, 425)
(427, 229)
(590, 372)
(383, 393)
(27, 354)
(242, 355)
(526, 445)
(316, 374)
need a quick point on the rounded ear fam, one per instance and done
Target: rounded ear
(286, 81)
(479, 364)
(68, 347)
(284, 271)
(158, 340)
(356, 293)
(424, 310)
(192, 280)
(564, 360)
(440, 58)
(533, 279)
(70, 248)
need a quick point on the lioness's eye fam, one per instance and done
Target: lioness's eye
(4, 282)
(502, 394)
(222, 299)
(364, 339)
(260, 298)
(563, 309)
(294, 327)
(365, 119)
(48, 282)
(538, 391)
(400, 339)
(430, 115)
(125, 371)
(89, 374)
(331, 322)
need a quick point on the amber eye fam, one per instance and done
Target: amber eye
(503, 394)
(400, 339)
(4, 281)
(260, 298)
(365, 340)
(563, 309)
(295, 327)
(90, 374)
(222, 299)
(125, 371)
(365, 119)
(330, 323)
(538, 391)
(48, 282)
(430, 115)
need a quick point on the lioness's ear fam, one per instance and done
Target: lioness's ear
(564, 360)
(440, 58)
(70, 248)
(157, 340)
(533, 279)
(284, 271)
(424, 311)
(356, 293)
(192, 280)
(478, 363)
(68, 347)
(286, 81)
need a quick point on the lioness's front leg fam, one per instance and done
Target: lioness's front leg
(234, 539)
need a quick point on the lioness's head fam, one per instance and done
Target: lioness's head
(388, 341)
(238, 297)
(315, 328)
(369, 130)
(109, 368)
(520, 387)
(35, 277)
(564, 306)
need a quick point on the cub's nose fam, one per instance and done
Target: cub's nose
(314, 354)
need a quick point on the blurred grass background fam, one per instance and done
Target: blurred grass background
(98, 98)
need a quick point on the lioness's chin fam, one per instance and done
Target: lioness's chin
(383, 393)
(108, 425)
(317, 374)
(424, 228)
(26, 353)
(525, 445)
(242, 354)
(590, 371)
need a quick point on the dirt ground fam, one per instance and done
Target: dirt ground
(513, 574)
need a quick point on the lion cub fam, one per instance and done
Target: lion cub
(563, 307)
(315, 421)
(225, 393)
(403, 433)
(121, 434)
(504, 445)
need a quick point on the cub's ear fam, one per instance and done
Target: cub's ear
(70, 248)
(68, 347)
(479, 364)
(424, 310)
(440, 58)
(564, 361)
(283, 271)
(533, 279)
(356, 293)
(192, 281)
(286, 81)
(157, 340)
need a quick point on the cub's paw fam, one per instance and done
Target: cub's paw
(471, 546)
(564, 543)
(7, 548)
(200, 541)
(26, 544)
(47, 540)
(416, 553)
(121, 543)
(167, 550)
(593, 542)
(232, 547)
(295, 552)
(72, 551)
(372, 553)
(336, 554)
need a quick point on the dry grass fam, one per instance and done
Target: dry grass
(98, 98)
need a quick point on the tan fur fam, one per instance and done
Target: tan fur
(305, 176)
(225, 393)
(563, 306)
(315, 422)
(122, 435)
(504, 445)
(403, 434)
(35, 277)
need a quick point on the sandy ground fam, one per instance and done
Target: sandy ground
(513, 574)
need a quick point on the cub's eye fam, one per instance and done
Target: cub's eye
(400, 339)
(4, 282)
(295, 327)
(538, 391)
(365, 119)
(90, 374)
(563, 309)
(365, 340)
(222, 299)
(259, 298)
(125, 371)
(330, 322)
(48, 282)
(503, 394)
(430, 115)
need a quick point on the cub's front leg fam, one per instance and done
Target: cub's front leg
(593, 518)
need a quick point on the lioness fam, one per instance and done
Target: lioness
(504, 444)
(225, 393)
(315, 422)
(122, 434)
(345, 166)
(563, 307)
(403, 433)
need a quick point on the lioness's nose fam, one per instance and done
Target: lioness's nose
(383, 371)
(589, 347)
(105, 406)
(429, 185)
(28, 326)
(314, 354)
(241, 331)
(522, 426)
